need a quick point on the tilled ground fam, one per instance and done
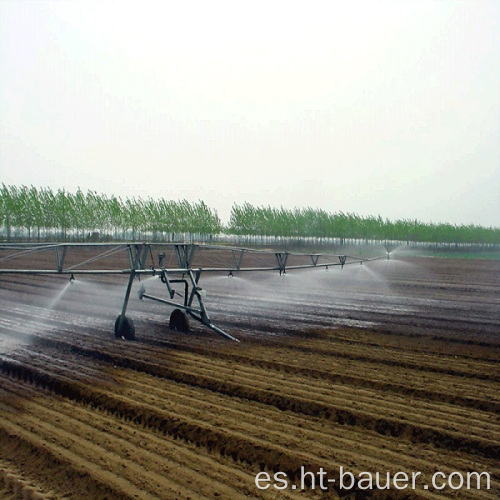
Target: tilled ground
(386, 367)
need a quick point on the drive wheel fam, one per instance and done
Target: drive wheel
(179, 321)
(124, 328)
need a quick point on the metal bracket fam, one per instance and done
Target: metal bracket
(199, 314)
(237, 260)
(136, 263)
(60, 257)
(314, 259)
(282, 257)
(164, 279)
(161, 260)
(138, 255)
(185, 254)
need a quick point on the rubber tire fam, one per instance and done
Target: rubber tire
(179, 321)
(127, 330)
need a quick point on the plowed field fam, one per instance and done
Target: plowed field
(388, 367)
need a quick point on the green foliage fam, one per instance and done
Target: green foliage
(303, 223)
(63, 215)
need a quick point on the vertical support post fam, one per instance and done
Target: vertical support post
(127, 294)
(137, 262)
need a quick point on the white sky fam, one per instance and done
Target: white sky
(373, 107)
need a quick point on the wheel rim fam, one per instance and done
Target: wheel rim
(179, 321)
(124, 328)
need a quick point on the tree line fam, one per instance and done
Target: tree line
(314, 223)
(43, 214)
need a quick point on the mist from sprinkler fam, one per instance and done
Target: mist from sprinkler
(58, 297)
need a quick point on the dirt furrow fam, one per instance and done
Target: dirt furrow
(324, 393)
(384, 369)
(467, 369)
(118, 458)
(356, 445)
(169, 459)
(46, 461)
(256, 366)
(340, 414)
(448, 389)
(229, 444)
(335, 372)
(358, 401)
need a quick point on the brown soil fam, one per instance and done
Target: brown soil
(389, 369)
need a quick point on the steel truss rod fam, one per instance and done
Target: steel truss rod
(98, 257)
(281, 257)
(192, 303)
(237, 260)
(185, 254)
(199, 313)
(152, 272)
(136, 263)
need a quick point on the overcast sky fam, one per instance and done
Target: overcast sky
(373, 107)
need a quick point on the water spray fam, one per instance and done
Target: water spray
(183, 273)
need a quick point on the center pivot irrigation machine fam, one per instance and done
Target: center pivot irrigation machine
(174, 263)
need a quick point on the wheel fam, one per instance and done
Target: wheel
(124, 328)
(179, 321)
